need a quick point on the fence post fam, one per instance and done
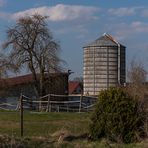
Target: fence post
(31, 104)
(67, 107)
(18, 104)
(58, 108)
(48, 103)
(80, 105)
(50, 107)
(21, 115)
(40, 104)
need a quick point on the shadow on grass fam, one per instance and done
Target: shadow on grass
(8, 141)
(73, 138)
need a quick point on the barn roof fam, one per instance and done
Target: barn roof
(24, 79)
(72, 86)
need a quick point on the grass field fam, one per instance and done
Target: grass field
(43, 124)
(51, 130)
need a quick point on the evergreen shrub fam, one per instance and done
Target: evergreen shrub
(117, 117)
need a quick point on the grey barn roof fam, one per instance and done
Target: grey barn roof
(105, 40)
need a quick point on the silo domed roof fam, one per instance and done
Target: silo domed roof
(105, 40)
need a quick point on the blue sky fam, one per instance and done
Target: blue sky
(75, 23)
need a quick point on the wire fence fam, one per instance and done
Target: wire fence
(52, 103)
(8, 106)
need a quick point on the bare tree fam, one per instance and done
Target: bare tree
(78, 79)
(138, 89)
(2, 69)
(137, 76)
(31, 44)
(5, 66)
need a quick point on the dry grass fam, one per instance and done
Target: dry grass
(54, 142)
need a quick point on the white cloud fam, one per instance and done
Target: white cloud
(124, 31)
(80, 30)
(2, 3)
(61, 12)
(124, 11)
(139, 27)
(145, 13)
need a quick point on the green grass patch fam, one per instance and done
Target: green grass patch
(43, 124)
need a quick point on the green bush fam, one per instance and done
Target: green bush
(117, 117)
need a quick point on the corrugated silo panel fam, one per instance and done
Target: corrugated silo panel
(101, 64)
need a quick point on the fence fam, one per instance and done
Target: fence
(49, 103)
(53, 103)
(8, 103)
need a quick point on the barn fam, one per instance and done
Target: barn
(13, 87)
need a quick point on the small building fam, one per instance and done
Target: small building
(13, 87)
(75, 87)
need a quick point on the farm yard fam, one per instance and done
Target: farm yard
(43, 105)
(51, 130)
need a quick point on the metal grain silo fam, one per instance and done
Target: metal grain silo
(104, 65)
